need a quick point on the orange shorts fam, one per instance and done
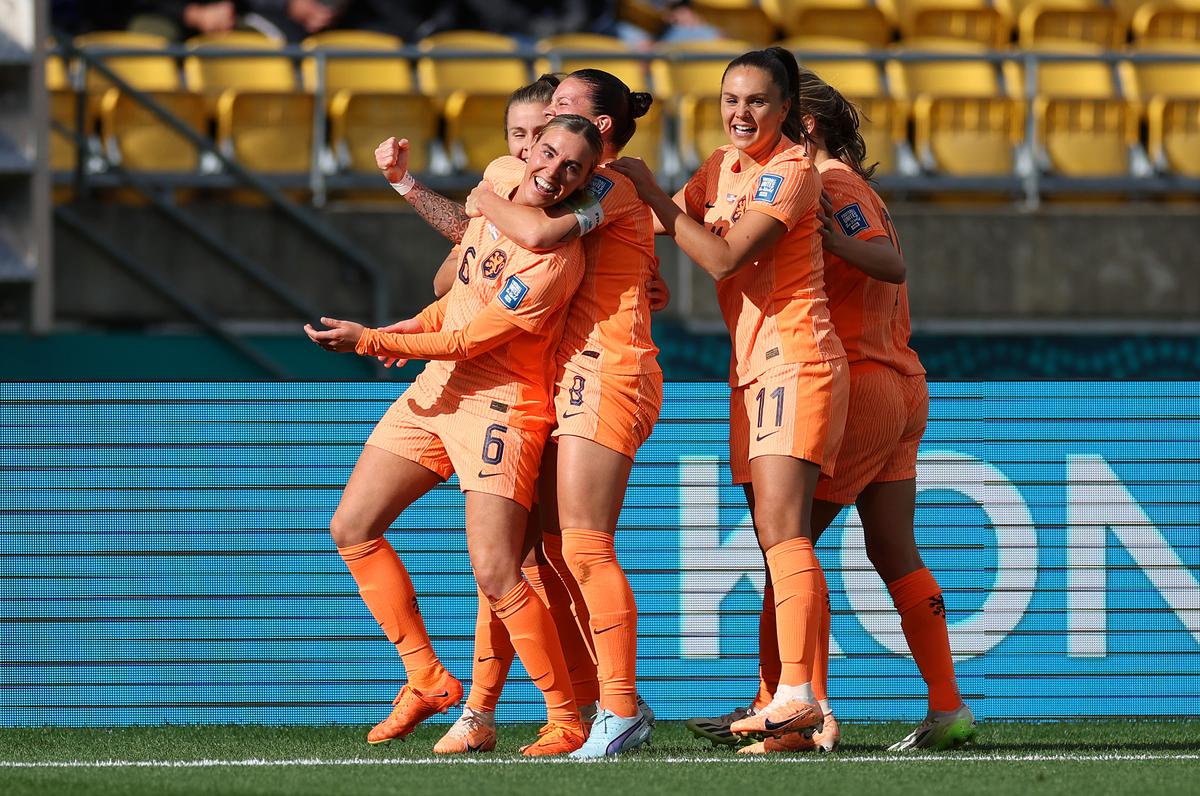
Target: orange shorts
(489, 457)
(616, 411)
(887, 416)
(795, 409)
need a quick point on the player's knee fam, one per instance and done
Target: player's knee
(345, 532)
(494, 579)
(774, 527)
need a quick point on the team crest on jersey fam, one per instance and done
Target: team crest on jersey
(739, 210)
(493, 265)
(599, 186)
(513, 292)
(851, 219)
(768, 188)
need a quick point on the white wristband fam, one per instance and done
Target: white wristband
(405, 184)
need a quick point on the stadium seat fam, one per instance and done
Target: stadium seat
(647, 142)
(441, 76)
(971, 137)
(57, 77)
(701, 129)
(853, 77)
(386, 73)
(1086, 137)
(1174, 135)
(674, 76)
(271, 132)
(561, 55)
(1155, 22)
(1046, 21)
(910, 79)
(1180, 79)
(141, 141)
(359, 120)
(212, 76)
(1082, 79)
(1013, 9)
(792, 15)
(981, 23)
(738, 19)
(475, 128)
(882, 124)
(63, 151)
(866, 24)
(148, 73)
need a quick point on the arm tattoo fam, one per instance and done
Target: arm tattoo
(447, 217)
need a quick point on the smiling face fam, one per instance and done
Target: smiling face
(752, 109)
(521, 125)
(559, 163)
(571, 96)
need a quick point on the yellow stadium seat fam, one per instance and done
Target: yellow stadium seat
(852, 77)
(443, 75)
(267, 131)
(647, 141)
(866, 24)
(1162, 22)
(882, 125)
(1012, 9)
(982, 24)
(212, 76)
(910, 79)
(358, 121)
(57, 77)
(561, 54)
(1081, 79)
(971, 137)
(675, 77)
(788, 14)
(738, 19)
(1086, 137)
(1047, 21)
(1181, 79)
(701, 129)
(1174, 135)
(148, 73)
(475, 128)
(63, 151)
(143, 141)
(386, 73)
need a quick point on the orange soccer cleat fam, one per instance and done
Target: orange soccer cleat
(796, 715)
(412, 708)
(825, 739)
(555, 738)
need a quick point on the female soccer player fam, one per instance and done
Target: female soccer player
(490, 413)
(748, 217)
(889, 405)
(609, 390)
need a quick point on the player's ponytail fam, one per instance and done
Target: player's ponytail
(780, 65)
(835, 122)
(612, 98)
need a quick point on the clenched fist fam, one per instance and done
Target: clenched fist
(392, 158)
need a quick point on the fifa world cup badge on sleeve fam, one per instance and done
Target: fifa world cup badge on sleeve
(513, 292)
(768, 187)
(851, 219)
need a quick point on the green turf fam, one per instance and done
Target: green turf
(859, 767)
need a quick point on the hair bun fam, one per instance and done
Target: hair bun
(639, 103)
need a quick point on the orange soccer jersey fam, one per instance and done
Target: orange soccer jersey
(775, 308)
(608, 326)
(510, 383)
(871, 316)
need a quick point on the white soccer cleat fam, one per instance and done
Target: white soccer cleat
(473, 732)
(940, 731)
(611, 735)
(646, 711)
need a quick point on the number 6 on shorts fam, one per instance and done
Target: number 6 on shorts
(493, 446)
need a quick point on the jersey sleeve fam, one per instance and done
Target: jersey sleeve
(607, 197)
(788, 190)
(505, 170)
(538, 283)
(487, 330)
(855, 209)
(432, 316)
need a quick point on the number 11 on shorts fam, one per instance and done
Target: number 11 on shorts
(777, 394)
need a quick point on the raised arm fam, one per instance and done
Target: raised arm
(446, 216)
(532, 228)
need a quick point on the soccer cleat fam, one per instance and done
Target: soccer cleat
(412, 708)
(555, 739)
(825, 739)
(940, 731)
(716, 729)
(646, 711)
(795, 715)
(473, 732)
(611, 735)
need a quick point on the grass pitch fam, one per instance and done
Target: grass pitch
(1092, 758)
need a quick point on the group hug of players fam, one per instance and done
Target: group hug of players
(543, 383)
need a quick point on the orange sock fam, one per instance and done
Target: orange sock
(593, 560)
(385, 587)
(545, 581)
(493, 657)
(532, 632)
(768, 651)
(552, 546)
(820, 673)
(918, 599)
(799, 583)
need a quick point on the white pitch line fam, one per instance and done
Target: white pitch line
(1102, 757)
